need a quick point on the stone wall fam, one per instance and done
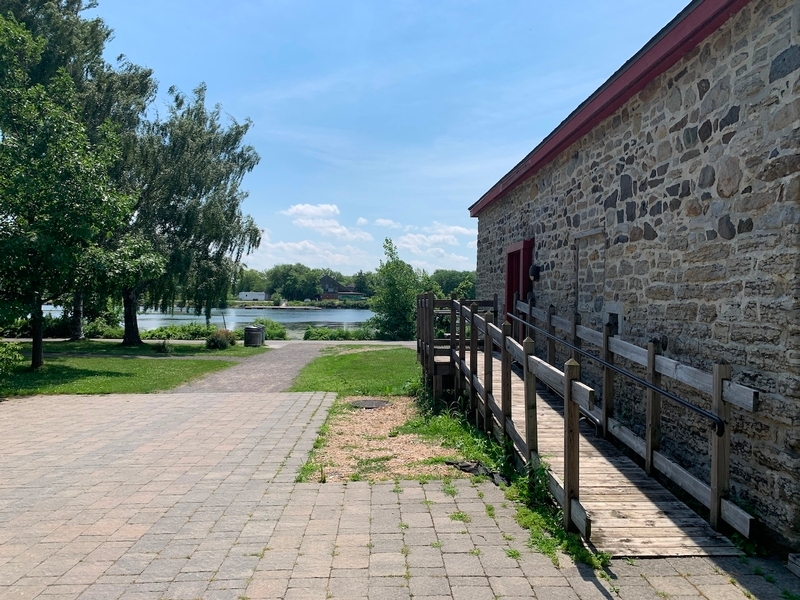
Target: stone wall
(694, 184)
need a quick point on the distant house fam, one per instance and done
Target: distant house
(249, 296)
(333, 290)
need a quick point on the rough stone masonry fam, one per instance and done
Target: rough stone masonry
(694, 184)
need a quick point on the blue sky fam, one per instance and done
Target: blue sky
(385, 118)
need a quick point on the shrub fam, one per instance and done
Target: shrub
(220, 340)
(52, 327)
(325, 333)
(164, 347)
(272, 329)
(188, 331)
(9, 357)
(100, 330)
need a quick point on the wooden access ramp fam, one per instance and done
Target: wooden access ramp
(631, 513)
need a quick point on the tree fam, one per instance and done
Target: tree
(250, 280)
(294, 282)
(449, 280)
(74, 45)
(56, 199)
(365, 283)
(188, 169)
(394, 302)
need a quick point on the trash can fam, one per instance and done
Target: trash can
(263, 337)
(253, 336)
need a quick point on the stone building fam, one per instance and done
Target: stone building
(670, 200)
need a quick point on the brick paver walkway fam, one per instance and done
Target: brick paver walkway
(192, 495)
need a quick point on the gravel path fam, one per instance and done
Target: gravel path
(272, 371)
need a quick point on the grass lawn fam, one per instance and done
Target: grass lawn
(104, 348)
(360, 371)
(117, 375)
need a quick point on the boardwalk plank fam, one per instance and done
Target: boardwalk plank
(632, 514)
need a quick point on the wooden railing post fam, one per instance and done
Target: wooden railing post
(551, 329)
(516, 327)
(532, 321)
(462, 344)
(473, 359)
(531, 430)
(576, 341)
(608, 379)
(505, 378)
(720, 446)
(453, 347)
(430, 334)
(419, 359)
(488, 350)
(572, 372)
(652, 408)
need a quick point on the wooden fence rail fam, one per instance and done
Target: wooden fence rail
(454, 359)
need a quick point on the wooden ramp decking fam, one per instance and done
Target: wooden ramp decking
(632, 514)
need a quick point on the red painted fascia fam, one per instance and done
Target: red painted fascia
(693, 25)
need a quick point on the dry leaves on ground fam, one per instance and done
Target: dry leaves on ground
(360, 445)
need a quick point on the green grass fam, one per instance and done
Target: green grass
(111, 375)
(460, 516)
(103, 348)
(371, 373)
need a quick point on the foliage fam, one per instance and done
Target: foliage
(373, 372)
(460, 283)
(187, 331)
(117, 375)
(294, 282)
(188, 169)
(220, 339)
(272, 329)
(249, 280)
(57, 198)
(340, 334)
(101, 330)
(100, 348)
(9, 357)
(52, 327)
(394, 302)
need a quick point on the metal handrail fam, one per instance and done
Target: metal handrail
(719, 424)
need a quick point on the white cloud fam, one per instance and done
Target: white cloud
(438, 258)
(362, 221)
(417, 243)
(334, 228)
(311, 210)
(441, 229)
(473, 245)
(388, 223)
(312, 254)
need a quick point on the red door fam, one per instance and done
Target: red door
(519, 258)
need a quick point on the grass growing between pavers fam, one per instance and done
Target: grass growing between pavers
(111, 375)
(105, 348)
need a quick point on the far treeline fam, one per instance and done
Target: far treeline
(106, 199)
(298, 282)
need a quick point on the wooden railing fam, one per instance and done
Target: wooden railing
(458, 363)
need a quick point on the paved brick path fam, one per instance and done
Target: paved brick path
(273, 371)
(192, 495)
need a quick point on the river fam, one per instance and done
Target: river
(294, 319)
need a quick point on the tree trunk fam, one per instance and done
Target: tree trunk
(76, 323)
(130, 302)
(37, 326)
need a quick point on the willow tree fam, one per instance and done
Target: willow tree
(187, 170)
(56, 199)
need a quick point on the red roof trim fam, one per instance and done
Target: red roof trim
(694, 24)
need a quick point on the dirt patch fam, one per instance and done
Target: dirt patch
(362, 444)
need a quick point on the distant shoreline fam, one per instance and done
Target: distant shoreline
(281, 307)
